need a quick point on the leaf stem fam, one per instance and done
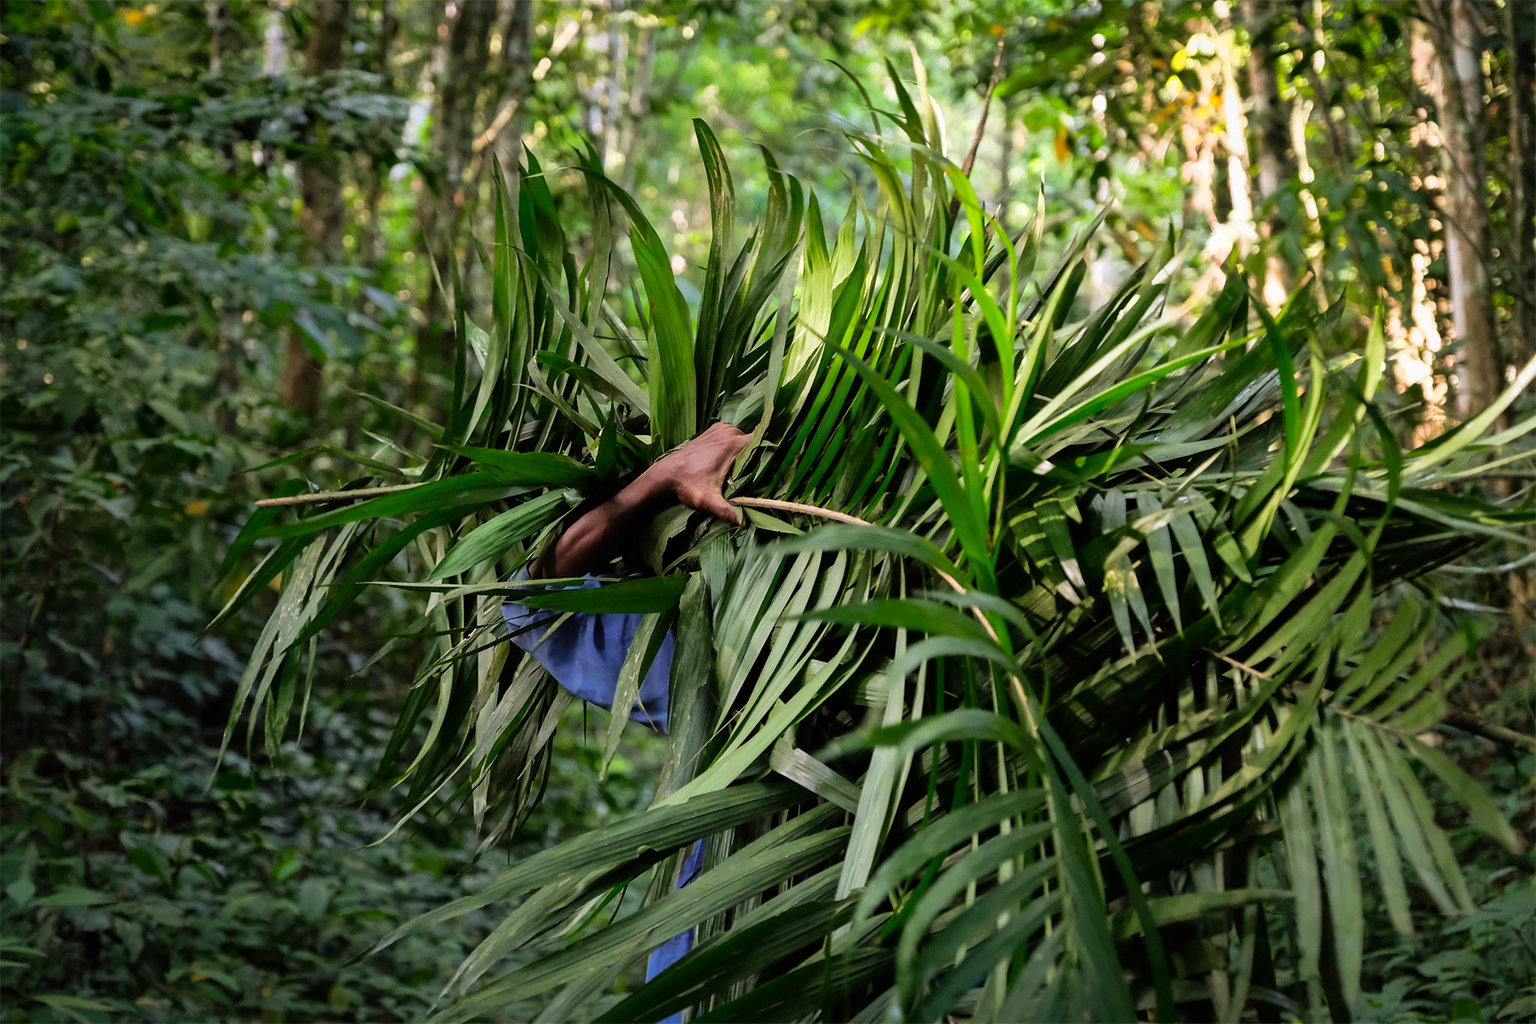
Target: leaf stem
(323, 497)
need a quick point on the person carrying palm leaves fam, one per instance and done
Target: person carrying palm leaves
(585, 652)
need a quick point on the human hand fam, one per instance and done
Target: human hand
(696, 472)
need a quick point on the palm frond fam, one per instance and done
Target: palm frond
(1132, 610)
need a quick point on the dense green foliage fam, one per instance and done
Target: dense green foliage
(1193, 576)
(156, 254)
(145, 272)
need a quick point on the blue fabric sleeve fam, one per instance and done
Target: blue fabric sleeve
(678, 946)
(585, 653)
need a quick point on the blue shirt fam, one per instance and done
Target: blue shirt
(585, 652)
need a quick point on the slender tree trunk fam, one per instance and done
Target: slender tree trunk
(389, 28)
(504, 135)
(644, 95)
(1454, 81)
(1269, 120)
(1483, 368)
(371, 243)
(460, 71)
(1228, 211)
(1521, 245)
(634, 139)
(1005, 160)
(223, 36)
(322, 214)
(1240, 219)
(618, 68)
(370, 237)
(274, 45)
(222, 32)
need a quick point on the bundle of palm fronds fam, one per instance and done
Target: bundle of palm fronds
(1118, 618)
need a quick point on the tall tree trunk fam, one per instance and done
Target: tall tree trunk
(1004, 197)
(1520, 44)
(1269, 120)
(1240, 219)
(370, 237)
(222, 33)
(223, 37)
(503, 137)
(371, 241)
(274, 43)
(645, 94)
(634, 139)
(323, 212)
(1453, 80)
(455, 88)
(618, 69)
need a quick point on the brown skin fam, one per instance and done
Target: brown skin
(693, 476)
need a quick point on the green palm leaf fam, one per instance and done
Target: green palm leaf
(1120, 619)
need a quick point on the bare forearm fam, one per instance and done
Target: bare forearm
(692, 475)
(593, 540)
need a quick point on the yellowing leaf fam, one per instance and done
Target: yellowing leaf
(1063, 146)
(196, 508)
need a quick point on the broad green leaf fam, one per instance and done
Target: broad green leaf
(642, 653)
(647, 595)
(939, 838)
(1193, 906)
(747, 949)
(465, 489)
(73, 896)
(490, 539)
(531, 469)
(1474, 428)
(674, 394)
(963, 508)
(750, 872)
(1389, 866)
(953, 882)
(1160, 550)
(1306, 883)
(1471, 793)
(871, 538)
(1341, 871)
(926, 616)
(661, 828)
(1407, 825)
(1439, 843)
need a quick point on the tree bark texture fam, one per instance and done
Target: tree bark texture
(1269, 119)
(1240, 219)
(1005, 159)
(504, 135)
(274, 45)
(633, 140)
(223, 39)
(1454, 82)
(322, 213)
(618, 68)
(460, 70)
(1520, 44)
(222, 33)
